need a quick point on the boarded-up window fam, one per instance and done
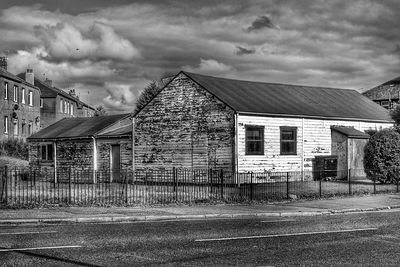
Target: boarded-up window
(47, 151)
(288, 140)
(254, 140)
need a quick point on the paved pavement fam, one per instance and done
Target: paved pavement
(173, 212)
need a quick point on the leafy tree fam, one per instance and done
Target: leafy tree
(395, 114)
(150, 91)
(382, 156)
(100, 111)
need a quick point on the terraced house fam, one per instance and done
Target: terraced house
(199, 121)
(19, 105)
(56, 104)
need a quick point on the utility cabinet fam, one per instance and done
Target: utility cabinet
(325, 166)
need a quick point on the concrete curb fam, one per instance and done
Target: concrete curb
(110, 219)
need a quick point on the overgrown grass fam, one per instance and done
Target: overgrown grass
(12, 162)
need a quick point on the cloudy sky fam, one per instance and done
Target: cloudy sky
(110, 50)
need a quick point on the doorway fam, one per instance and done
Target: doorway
(115, 163)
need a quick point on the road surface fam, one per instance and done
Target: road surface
(351, 239)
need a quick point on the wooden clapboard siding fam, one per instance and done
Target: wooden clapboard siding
(184, 126)
(315, 141)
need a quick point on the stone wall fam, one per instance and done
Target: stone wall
(104, 152)
(184, 126)
(20, 115)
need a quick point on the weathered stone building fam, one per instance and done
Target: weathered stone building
(19, 106)
(102, 144)
(199, 121)
(55, 104)
(387, 94)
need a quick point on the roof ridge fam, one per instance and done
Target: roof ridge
(270, 83)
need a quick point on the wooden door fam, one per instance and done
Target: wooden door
(115, 162)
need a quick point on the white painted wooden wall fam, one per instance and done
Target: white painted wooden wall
(313, 139)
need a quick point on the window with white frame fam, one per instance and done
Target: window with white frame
(65, 106)
(15, 121)
(23, 96)
(61, 105)
(5, 90)
(72, 109)
(6, 124)
(30, 98)
(15, 93)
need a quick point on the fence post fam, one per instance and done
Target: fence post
(251, 186)
(397, 184)
(320, 187)
(287, 185)
(221, 176)
(126, 187)
(69, 185)
(374, 185)
(349, 178)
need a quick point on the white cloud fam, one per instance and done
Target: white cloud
(210, 66)
(64, 41)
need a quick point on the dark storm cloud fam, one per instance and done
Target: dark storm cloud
(244, 51)
(260, 23)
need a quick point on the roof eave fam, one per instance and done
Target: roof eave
(312, 117)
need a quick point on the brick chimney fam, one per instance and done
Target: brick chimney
(3, 62)
(29, 76)
(49, 82)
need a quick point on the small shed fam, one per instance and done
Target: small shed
(90, 147)
(348, 145)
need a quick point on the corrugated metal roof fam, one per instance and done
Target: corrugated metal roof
(76, 127)
(350, 132)
(291, 100)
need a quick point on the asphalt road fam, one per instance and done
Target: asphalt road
(367, 239)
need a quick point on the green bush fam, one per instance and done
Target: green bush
(14, 148)
(382, 156)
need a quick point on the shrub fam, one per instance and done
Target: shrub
(14, 148)
(382, 156)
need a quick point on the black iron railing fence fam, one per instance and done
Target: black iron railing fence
(36, 187)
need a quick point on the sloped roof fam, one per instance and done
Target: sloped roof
(75, 128)
(350, 132)
(52, 91)
(13, 77)
(385, 91)
(291, 100)
(125, 130)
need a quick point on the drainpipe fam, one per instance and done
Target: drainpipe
(133, 148)
(302, 149)
(94, 159)
(55, 161)
(236, 149)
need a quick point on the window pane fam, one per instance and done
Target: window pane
(288, 147)
(288, 135)
(254, 140)
(49, 152)
(43, 149)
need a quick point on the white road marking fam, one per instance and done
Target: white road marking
(38, 248)
(29, 233)
(278, 221)
(282, 235)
